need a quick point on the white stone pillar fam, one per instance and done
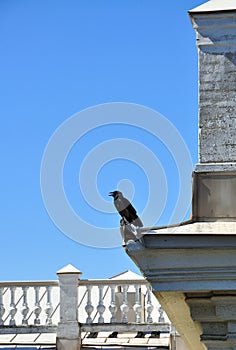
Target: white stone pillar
(68, 331)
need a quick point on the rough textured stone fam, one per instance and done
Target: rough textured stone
(217, 108)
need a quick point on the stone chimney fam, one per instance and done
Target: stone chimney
(215, 175)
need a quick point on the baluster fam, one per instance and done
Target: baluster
(89, 307)
(113, 307)
(100, 308)
(124, 307)
(37, 308)
(24, 308)
(13, 309)
(161, 317)
(49, 308)
(2, 309)
(149, 306)
(137, 306)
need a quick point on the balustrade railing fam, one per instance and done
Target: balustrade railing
(118, 301)
(28, 303)
(36, 305)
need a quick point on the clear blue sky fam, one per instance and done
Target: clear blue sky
(57, 59)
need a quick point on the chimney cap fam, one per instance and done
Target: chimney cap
(215, 5)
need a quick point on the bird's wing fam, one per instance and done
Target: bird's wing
(132, 211)
(127, 211)
(129, 206)
(123, 205)
(120, 206)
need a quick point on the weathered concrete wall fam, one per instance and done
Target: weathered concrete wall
(217, 107)
(216, 41)
(214, 176)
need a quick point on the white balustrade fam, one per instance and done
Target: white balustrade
(24, 308)
(48, 308)
(100, 308)
(89, 307)
(124, 307)
(113, 307)
(161, 318)
(2, 309)
(13, 308)
(20, 303)
(137, 306)
(149, 306)
(118, 301)
(37, 308)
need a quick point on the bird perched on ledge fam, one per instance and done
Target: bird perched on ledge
(125, 209)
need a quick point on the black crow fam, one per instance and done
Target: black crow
(125, 209)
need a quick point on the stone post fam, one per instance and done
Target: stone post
(68, 331)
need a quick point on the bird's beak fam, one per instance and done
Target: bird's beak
(111, 194)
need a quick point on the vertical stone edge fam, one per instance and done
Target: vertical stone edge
(68, 330)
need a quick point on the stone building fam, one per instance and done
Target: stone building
(192, 265)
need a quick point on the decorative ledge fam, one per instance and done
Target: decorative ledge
(187, 262)
(192, 270)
